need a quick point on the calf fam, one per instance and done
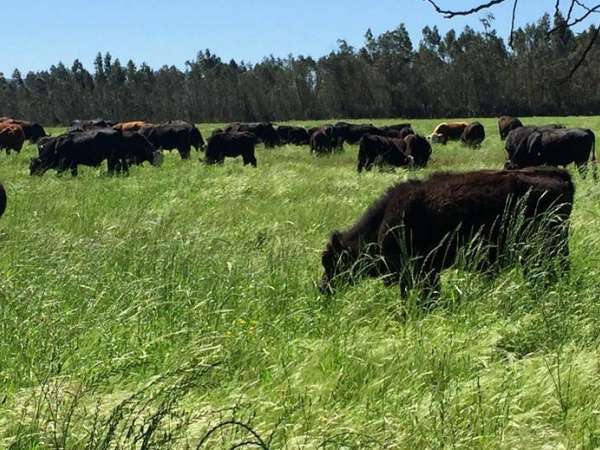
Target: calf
(416, 229)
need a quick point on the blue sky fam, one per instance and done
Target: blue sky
(170, 32)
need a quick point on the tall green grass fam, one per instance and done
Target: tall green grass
(177, 306)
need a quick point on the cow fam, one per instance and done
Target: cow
(173, 137)
(351, 133)
(12, 137)
(473, 135)
(536, 146)
(87, 125)
(321, 141)
(231, 144)
(264, 132)
(131, 126)
(419, 228)
(292, 135)
(382, 151)
(2, 200)
(419, 149)
(91, 148)
(445, 132)
(506, 124)
(196, 138)
(33, 131)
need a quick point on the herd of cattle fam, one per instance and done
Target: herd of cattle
(91, 142)
(437, 216)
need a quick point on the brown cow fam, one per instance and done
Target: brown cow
(420, 227)
(12, 137)
(33, 131)
(506, 124)
(132, 126)
(445, 132)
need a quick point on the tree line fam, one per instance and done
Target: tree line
(471, 73)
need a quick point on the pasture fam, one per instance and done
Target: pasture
(144, 311)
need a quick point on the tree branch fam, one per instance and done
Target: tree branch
(583, 55)
(448, 14)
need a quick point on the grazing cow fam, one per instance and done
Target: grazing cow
(382, 151)
(293, 135)
(445, 132)
(532, 146)
(264, 132)
(397, 127)
(12, 137)
(419, 148)
(231, 144)
(172, 137)
(196, 138)
(351, 133)
(473, 135)
(416, 229)
(91, 148)
(33, 131)
(87, 125)
(2, 200)
(321, 141)
(506, 124)
(132, 126)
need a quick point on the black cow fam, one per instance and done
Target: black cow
(506, 124)
(292, 135)
(264, 132)
(2, 200)
(397, 131)
(419, 148)
(91, 148)
(322, 141)
(473, 135)
(88, 125)
(180, 137)
(417, 228)
(382, 151)
(196, 138)
(348, 132)
(536, 146)
(231, 144)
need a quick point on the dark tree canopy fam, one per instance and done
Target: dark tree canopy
(456, 74)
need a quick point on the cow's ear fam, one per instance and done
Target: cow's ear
(336, 241)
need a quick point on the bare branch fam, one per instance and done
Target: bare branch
(512, 25)
(583, 55)
(448, 14)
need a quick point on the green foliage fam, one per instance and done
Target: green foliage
(465, 73)
(179, 304)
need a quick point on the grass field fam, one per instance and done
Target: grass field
(142, 311)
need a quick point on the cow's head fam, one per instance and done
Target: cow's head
(337, 260)
(38, 166)
(196, 139)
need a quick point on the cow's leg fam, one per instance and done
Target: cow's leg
(111, 163)
(73, 169)
(184, 152)
(582, 167)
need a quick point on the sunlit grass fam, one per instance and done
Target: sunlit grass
(184, 296)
